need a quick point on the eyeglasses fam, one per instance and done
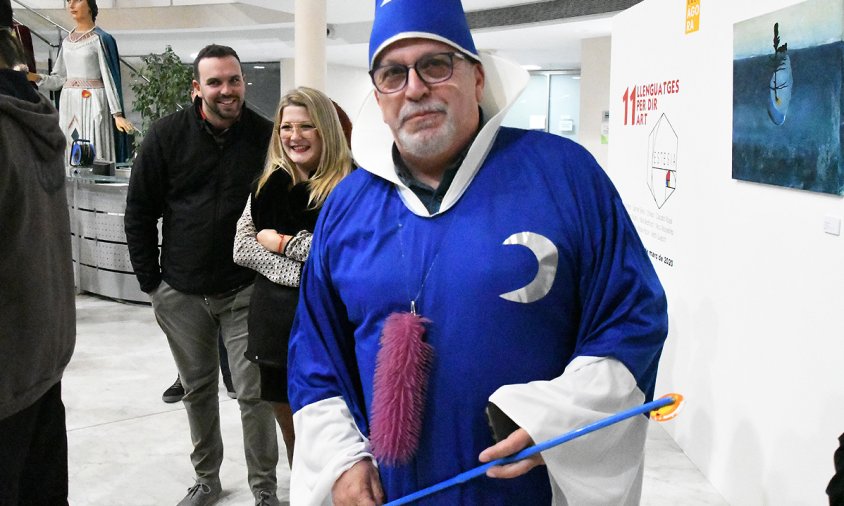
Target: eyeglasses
(431, 69)
(287, 128)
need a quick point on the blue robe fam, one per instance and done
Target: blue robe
(371, 255)
(122, 141)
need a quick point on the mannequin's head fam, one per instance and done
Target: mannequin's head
(82, 11)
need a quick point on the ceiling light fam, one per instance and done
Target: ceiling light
(259, 67)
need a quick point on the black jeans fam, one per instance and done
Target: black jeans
(33, 454)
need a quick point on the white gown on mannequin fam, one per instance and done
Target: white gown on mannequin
(89, 96)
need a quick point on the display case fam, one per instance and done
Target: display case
(100, 255)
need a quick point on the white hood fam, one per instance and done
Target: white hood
(372, 140)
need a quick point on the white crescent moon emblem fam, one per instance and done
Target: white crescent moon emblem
(546, 255)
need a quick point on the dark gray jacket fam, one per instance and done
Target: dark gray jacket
(37, 312)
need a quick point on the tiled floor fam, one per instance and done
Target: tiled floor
(128, 448)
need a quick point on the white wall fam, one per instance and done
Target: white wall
(756, 289)
(594, 94)
(348, 86)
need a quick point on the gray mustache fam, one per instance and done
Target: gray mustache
(411, 110)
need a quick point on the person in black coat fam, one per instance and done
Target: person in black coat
(194, 170)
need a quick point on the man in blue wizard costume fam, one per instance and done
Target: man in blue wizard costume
(469, 268)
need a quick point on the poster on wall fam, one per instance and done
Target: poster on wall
(787, 97)
(648, 117)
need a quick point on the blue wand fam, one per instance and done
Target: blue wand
(662, 409)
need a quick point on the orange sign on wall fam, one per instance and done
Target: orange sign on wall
(692, 15)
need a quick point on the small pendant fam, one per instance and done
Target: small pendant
(413, 307)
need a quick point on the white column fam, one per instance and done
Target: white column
(594, 94)
(287, 68)
(309, 41)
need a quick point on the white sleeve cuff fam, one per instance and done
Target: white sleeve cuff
(604, 467)
(328, 443)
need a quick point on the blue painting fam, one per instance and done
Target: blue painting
(788, 106)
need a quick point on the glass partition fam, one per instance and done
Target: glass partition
(551, 103)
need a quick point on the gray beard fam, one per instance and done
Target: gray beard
(419, 145)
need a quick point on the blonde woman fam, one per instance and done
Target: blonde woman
(308, 155)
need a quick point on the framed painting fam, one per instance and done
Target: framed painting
(788, 68)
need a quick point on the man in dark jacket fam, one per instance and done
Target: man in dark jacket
(37, 314)
(194, 170)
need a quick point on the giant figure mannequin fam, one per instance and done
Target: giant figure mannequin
(87, 71)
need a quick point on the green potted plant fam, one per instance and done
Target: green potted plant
(162, 87)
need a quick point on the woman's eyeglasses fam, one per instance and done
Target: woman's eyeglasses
(287, 128)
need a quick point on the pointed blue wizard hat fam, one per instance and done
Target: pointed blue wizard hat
(441, 20)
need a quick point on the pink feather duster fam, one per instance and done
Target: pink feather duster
(401, 380)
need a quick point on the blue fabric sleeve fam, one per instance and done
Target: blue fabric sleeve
(321, 358)
(624, 309)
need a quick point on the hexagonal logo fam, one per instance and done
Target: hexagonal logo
(662, 161)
